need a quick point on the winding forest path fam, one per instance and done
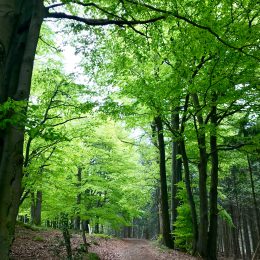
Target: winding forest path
(48, 245)
(135, 249)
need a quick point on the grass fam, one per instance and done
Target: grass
(92, 256)
(38, 239)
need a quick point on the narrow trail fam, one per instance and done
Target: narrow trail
(49, 245)
(136, 249)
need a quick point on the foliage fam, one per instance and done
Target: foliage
(12, 112)
(183, 226)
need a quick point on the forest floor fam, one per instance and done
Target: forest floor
(48, 244)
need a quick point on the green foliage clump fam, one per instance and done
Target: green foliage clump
(12, 112)
(104, 236)
(29, 226)
(92, 256)
(38, 238)
(183, 226)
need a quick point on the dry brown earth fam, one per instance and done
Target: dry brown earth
(48, 245)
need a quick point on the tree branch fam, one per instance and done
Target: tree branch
(68, 120)
(55, 5)
(48, 44)
(101, 22)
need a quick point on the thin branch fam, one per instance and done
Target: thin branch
(184, 117)
(127, 142)
(231, 147)
(24, 196)
(42, 149)
(137, 31)
(55, 5)
(100, 22)
(230, 113)
(45, 117)
(53, 47)
(68, 120)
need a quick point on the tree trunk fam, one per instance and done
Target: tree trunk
(202, 244)
(246, 236)
(213, 228)
(190, 197)
(20, 26)
(158, 210)
(226, 239)
(254, 196)
(36, 208)
(97, 226)
(85, 226)
(235, 233)
(160, 219)
(253, 231)
(66, 235)
(77, 218)
(176, 168)
(86, 245)
(257, 252)
(167, 238)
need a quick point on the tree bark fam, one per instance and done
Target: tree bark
(246, 235)
(253, 231)
(20, 26)
(86, 245)
(66, 235)
(167, 238)
(213, 228)
(190, 197)
(254, 196)
(176, 167)
(202, 244)
(235, 234)
(77, 218)
(36, 208)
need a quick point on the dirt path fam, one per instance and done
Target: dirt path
(136, 249)
(49, 245)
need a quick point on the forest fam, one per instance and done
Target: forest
(132, 119)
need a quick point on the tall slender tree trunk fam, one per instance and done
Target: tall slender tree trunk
(19, 32)
(38, 211)
(253, 231)
(213, 228)
(202, 245)
(246, 235)
(187, 177)
(77, 218)
(86, 245)
(36, 208)
(176, 167)
(190, 197)
(254, 196)
(235, 233)
(167, 238)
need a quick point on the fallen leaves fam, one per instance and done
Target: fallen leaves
(49, 245)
